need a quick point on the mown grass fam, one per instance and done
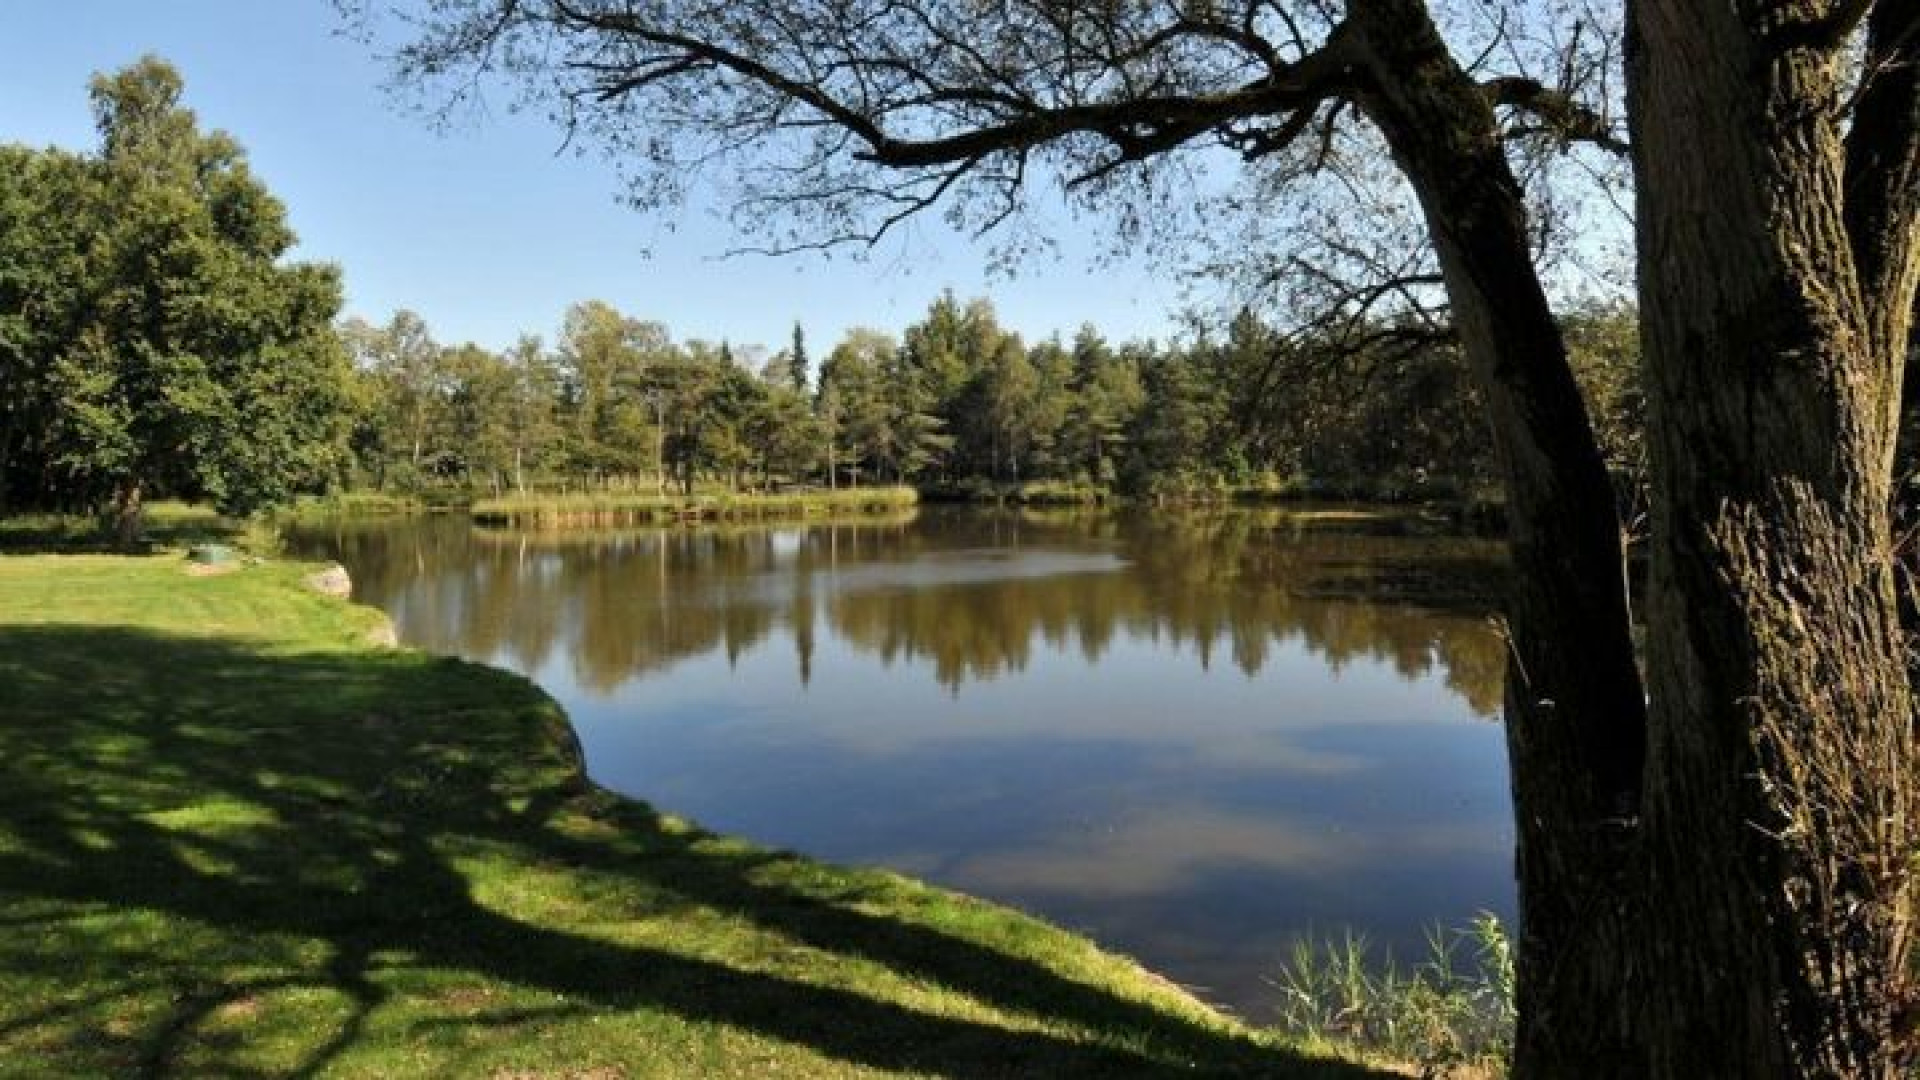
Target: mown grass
(548, 511)
(237, 841)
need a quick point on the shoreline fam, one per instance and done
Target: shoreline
(439, 810)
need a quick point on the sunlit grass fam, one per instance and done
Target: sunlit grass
(237, 841)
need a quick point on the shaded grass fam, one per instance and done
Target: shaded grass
(236, 842)
(630, 508)
(167, 524)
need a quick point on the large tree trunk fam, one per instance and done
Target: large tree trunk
(129, 514)
(6, 468)
(1780, 776)
(1575, 713)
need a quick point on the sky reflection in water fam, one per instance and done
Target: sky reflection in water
(1194, 739)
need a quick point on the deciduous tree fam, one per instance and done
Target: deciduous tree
(1754, 824)
(154, 338)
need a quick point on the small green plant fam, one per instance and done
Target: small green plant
(1448, 1014)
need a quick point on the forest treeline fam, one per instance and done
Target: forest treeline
(155, 340)
(956, 405)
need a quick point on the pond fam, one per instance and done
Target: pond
(1195, 737)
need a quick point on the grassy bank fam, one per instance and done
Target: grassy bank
(237, 840)
(555, 511)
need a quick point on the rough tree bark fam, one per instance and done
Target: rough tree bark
(1776, 277)
(1575, 718)
(129, 513)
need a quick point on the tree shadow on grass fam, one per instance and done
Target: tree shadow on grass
(189, 827)
(77, 534)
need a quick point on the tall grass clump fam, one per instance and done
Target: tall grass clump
(1058, 493)
(351, 504)
(1452, 1013)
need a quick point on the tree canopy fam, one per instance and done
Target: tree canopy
(957, 406)
(152, 336)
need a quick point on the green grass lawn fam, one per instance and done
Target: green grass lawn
(236, 841)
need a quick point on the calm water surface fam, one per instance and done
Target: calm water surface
(1193, 739)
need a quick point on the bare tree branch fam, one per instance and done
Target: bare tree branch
(1558, 113)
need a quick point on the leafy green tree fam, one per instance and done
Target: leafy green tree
(1171, 437)
(478, 434)
(683, 386)
(404, 364)
(532, 420)
(615, 428)
(948, 355)
(783, 433)
(1105, 395)
(1603, 345)
(1389, 419)
(948, 348)
(1048, 407)
(49, 225)
(919, 442)
(827, 422)
(187, 357)
(1250, 367)
(854, 372)
(727, 414)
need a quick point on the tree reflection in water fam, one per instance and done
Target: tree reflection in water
(970, 592)
(1194, 736)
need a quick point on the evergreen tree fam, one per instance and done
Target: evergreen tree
(797, 361)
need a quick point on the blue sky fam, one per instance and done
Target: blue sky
(489, 231)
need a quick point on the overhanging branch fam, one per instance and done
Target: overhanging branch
(1557, 112)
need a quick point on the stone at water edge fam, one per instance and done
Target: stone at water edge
(383, 636)
(333, 581)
